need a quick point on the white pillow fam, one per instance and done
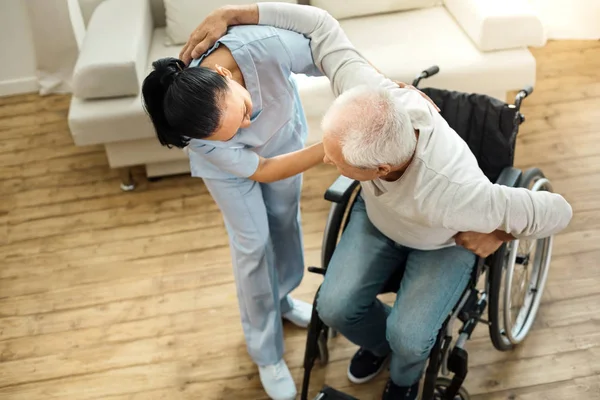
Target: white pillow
(183, 16)
(355, 8)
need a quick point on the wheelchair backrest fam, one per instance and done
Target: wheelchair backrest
(488, 125)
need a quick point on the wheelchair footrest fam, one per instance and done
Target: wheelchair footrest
(458, 363)
(329, 393)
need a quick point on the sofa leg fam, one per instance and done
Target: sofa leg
(127, 182)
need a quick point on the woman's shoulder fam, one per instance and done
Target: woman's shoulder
(246, 34)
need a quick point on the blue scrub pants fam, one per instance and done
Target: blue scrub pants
(265, 236)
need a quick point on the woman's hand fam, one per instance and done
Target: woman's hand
(404, 85)
(205, 35)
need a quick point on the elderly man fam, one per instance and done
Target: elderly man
(423, 193)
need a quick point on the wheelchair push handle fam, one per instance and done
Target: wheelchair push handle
(431, 71)
(526, 91)
(434, 69)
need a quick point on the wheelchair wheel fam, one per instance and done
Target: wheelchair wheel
(441, 384)
(518, 275)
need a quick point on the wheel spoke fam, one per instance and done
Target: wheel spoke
(518, 279)
(526, 274)
(526, 282)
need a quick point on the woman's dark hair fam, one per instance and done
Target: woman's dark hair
(182, 102)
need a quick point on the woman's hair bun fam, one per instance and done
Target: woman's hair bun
(168, 69)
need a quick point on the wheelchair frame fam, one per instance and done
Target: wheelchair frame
(473, 302)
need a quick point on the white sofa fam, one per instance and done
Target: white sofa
(479, 45)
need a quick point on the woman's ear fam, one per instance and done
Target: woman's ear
(223, 71)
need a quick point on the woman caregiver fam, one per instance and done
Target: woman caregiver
(237, 112)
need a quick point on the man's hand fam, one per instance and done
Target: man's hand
(215, 27)
(404, 85)
(205, 35)
(482, 244)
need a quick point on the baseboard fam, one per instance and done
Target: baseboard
(19, 86)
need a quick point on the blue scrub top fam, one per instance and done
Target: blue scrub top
(267, 57)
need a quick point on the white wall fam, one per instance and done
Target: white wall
(17, 68)
(55, 42)
(570, 19)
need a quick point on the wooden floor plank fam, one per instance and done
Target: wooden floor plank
(526, 372)
(141, 246)
(579, 388)
(142, 281)
(569, 168)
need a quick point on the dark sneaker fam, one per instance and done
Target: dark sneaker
(395, 392)
(365, 366)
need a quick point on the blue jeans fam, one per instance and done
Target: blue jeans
(432, 284)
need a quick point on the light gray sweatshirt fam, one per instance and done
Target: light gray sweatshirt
(443, 191)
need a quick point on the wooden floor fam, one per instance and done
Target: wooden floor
(130, 296)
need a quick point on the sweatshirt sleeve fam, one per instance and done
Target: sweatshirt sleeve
(484, 207)
(333, 53)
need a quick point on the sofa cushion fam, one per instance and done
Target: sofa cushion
(158, 12)
(89, 6)
(112, 59)
(355, 8)
(498, 25)
(117, 119)
(424, 38)
(183, 16)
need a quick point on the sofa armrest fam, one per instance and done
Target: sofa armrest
(113, 57)
(498, 24)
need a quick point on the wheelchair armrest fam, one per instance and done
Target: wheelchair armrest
(341, 190)
(509, 177)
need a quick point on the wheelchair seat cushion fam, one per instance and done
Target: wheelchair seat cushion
(485, 123)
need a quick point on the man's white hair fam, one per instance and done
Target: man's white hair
(372, 126)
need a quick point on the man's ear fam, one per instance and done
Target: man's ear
(384, 169)
(223, 71)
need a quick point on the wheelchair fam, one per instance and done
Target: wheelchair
(515, 274)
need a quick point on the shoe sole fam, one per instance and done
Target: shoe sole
(367, 378)
(295, 323)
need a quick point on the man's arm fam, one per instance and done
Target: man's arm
(520, 213)
(332, 51)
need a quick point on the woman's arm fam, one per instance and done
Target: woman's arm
(287, 165)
